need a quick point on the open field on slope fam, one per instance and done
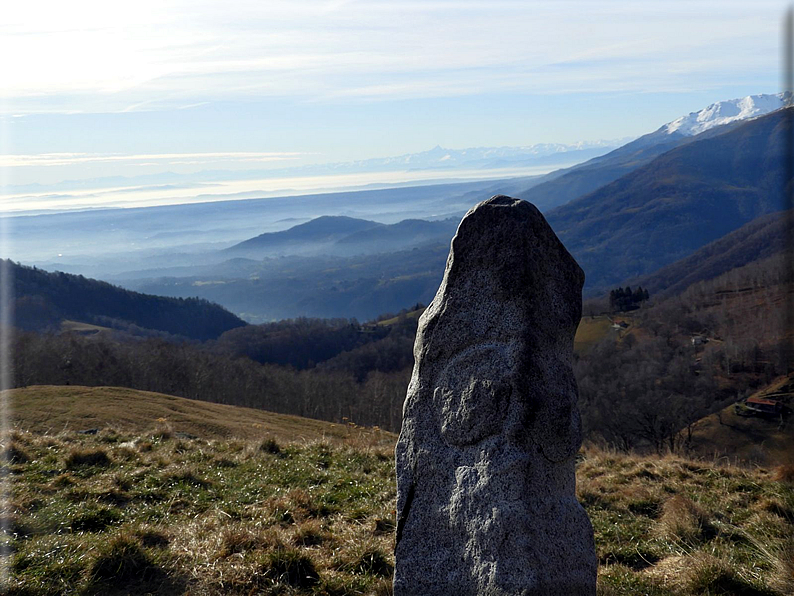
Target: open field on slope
(591, 330)
(150, 511)
(52, 408)
(68, 326)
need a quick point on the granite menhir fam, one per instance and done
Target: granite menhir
(486, 491)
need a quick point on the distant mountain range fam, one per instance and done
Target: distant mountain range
(445, 161)
(481, 157)
(658, 209)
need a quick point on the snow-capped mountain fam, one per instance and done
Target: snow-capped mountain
(725, 112)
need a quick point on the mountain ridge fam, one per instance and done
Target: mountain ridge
(346, 236)
(679, 202)
(587, 177)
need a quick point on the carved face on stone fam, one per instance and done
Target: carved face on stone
(473, 393)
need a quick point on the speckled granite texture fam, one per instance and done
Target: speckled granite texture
(486, 501)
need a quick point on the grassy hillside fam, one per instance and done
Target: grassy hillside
(52, 409)
(592, 330)
(134, 513)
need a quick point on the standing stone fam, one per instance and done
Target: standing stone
(486, 500)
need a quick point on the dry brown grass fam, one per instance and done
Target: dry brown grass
(783, 574)
(214, 517)
(678, 527)
(50, 409)
(682, 520)
(784, 473)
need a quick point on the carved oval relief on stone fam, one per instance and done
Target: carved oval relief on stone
(472, 395)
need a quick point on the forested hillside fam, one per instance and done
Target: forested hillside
(44, 299)
(304, 237)
(760, 239)
(643, 381)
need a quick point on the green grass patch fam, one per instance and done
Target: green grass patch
(180, 516)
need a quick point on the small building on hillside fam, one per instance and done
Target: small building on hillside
(764, 406)
(699, 340)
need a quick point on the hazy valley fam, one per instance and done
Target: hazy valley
(307, 306)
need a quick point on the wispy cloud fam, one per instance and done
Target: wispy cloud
(107, 56)
(164, 159)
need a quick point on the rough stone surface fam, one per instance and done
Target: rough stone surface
(486, 501)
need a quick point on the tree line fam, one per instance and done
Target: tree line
(637, 391)
(623, 299)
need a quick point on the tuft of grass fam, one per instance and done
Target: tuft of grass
(241, 540)
(716, 577)
(79, 458)
(384, 526)
(776, 507)
(122, 560)
(309, 533)
(683, 520)
(373, 562)
(783, 567)
(126, 454)
(14, 454)
(186, 476)
(63, 481)
(162, 432)
(642, 500)
(123, 482)
(270, 445)
(151, 538)
(224, 462)
(291, 567)
(96, 519)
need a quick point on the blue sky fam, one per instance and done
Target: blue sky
(129, 88)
